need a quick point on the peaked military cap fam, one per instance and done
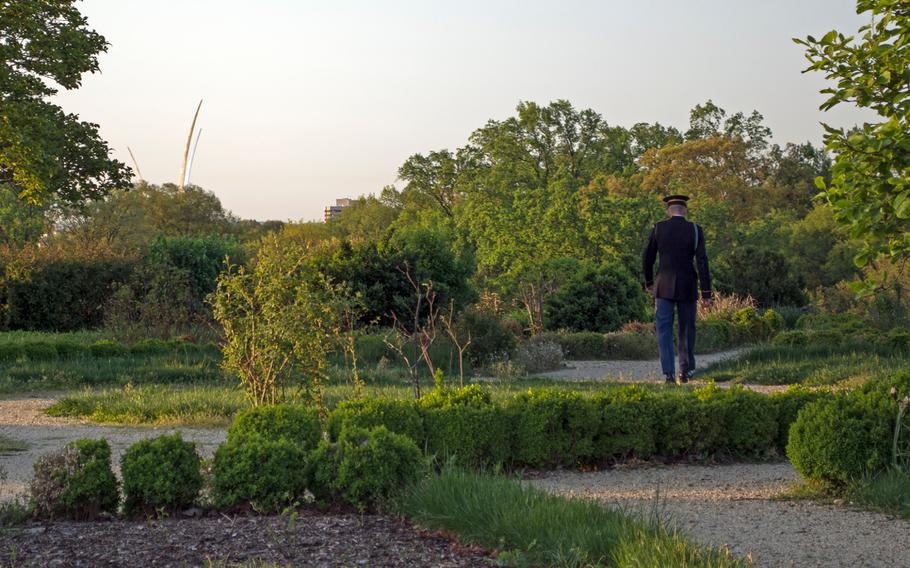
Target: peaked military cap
(676, 200)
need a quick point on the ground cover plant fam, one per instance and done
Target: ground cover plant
(533, 528)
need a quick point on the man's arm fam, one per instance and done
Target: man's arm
(701, 264)
(648, 258)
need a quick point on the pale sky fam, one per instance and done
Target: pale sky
(308, 100)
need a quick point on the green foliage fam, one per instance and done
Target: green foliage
(266, 474)
(43, 151)
(888, 492)
(627, 425)
(375, 464)
(551, 428)
(789, 403)
(531, 527)
(869, 186)
(166, 293)
(279, 318)
(596, 298)
(75, 482)
(764, 274)
(399, 416)
(62, 293)
(491, 340)
(160, 474)
(296, 424)
(841, 439)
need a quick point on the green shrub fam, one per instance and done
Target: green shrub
(39, 351)
(321, 472)
(75, 482)
(632, 346)
(774, 321)
(789, 403)
(471, 435)
(11, 351)
(445, 396)
(552, 427)
(688, 425)
(71, 349)
(297, 424)
(596, 298)
(150, 347)
(374, 464)
(715, 335)
(750, 421)
(750, 326)
(266, 474)
(794, 337)
(491, 340)
(580, 345)
(399, 416)
(105, 348)
(160, 474)
(626, 425)
(843, 438)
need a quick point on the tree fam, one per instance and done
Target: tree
(596, 298)
(45, 152)
(870, 179)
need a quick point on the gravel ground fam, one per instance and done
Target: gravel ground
(642, 371)
(24, 419)
(731, 506)
(311, 540)
(630, 371)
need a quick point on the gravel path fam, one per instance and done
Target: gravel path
(630, 371)
(23, 419)
(642, 371)
(731, 506)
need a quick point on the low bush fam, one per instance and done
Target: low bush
(265, 474)
(374, 464)
(626, 425)
(161, 474)
(75, 482)
(491, 339)
(106, 349)
(715, 335)
(297, 424)
(399, 416)
(843, 438)
(632, 346)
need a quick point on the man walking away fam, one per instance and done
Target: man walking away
(680, 245)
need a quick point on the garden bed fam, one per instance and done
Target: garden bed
(310, 539)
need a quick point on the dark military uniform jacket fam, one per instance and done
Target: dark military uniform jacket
(681, 246)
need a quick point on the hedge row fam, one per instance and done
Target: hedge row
(550, 428)
(712, 335)
(102, 349)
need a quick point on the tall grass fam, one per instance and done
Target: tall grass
(889, 492)
(533, 528)
(809, 365)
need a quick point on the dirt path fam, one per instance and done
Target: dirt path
(23, 419)
(731, 506)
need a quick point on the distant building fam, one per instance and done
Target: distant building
(333, 210)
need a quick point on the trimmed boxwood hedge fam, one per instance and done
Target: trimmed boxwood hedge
(297, 424)
(548, 428)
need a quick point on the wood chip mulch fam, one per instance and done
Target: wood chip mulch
(347, 539)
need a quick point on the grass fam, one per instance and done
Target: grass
(811, 366)
(888, 492)
(216, 404)
(9, 445)
(533, 528)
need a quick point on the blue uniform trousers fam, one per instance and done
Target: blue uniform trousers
(686, 336)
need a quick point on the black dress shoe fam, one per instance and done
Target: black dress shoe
(668, 378)
(684, 377)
